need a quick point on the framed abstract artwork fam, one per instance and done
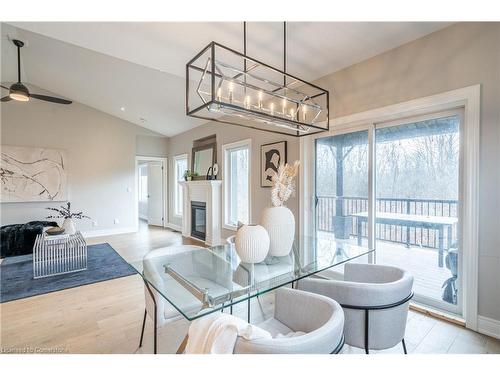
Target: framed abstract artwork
(29, 174)
(271, 156)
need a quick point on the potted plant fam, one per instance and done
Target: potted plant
(188, 175)
(68, 216)
(278, 219)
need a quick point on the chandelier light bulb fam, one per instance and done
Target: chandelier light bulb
(272, 109)
(304, 113)
(260, 99)
(247, 102)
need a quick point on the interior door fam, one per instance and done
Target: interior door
(155, 193)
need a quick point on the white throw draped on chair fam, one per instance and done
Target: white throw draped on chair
(217, 334)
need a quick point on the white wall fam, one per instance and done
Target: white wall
(100, 151)
(151, 145)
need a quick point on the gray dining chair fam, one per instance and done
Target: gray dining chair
(314, 325)
(375, 299)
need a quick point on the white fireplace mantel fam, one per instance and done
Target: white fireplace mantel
(209, 192)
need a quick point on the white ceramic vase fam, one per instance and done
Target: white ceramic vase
(252, 243)
(69, 226)
(280, 225)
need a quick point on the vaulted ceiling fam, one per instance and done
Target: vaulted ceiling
(135, 71)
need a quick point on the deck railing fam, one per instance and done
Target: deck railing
(326, 209)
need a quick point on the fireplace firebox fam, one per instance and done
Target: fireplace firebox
(198, 220)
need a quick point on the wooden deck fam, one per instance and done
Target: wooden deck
(422, 263)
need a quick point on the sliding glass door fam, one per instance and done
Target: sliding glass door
(414, 172)
(341, 185)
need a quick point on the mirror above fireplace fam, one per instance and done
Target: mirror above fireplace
(204, 156)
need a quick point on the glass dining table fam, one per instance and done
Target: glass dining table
(198, 281)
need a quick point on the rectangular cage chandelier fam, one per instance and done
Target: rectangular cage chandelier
(227, 86)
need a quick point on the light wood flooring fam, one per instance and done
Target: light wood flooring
(106, 317)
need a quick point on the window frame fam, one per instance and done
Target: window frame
(177, 186)
(466, 98)
(226, 177)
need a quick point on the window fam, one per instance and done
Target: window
(180, 166)
(236, 183)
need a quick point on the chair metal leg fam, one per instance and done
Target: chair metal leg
(367, 330)
(339, 347)
(155, 333)
(404, 346)
(143, 326)
(248, 310)
(155, 320)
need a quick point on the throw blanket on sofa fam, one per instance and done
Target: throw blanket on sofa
(18, 239)
(217, 334)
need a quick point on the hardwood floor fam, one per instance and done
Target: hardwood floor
(106, 317)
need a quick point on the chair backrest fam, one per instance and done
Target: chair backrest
(321, 319)
(376, 286)
(154, 271)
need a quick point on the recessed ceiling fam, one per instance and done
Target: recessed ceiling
(140, 66)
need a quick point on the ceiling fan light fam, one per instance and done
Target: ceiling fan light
(19, 96)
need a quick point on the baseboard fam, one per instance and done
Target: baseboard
(488, 326)
(176, 227)
(108, 232)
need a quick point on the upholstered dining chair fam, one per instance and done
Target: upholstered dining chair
(157, 307)
(302, 323)
(375, 299)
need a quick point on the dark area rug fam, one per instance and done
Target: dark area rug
(16, 274)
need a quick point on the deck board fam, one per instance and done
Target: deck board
(421, 262)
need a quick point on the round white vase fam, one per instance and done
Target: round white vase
(252, 243)
(280, 224)
(69, 226)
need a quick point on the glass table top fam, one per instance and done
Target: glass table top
(198, 281)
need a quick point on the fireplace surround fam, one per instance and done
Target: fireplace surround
(195, 195)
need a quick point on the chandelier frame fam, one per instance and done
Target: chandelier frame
(274, 122)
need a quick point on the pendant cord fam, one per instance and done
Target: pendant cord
(284, 52)
(245, 53)
(245, 39)
(18, 64)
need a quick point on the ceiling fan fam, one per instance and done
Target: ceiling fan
(19, 92)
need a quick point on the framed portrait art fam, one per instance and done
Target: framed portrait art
(271, 156)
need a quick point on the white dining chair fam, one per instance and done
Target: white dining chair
(303, 323)
(375, 299)
(157, 307)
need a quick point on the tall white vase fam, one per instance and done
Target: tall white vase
(252, 243)
(69, 226)
(280, 225)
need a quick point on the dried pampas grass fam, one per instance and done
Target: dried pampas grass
(283, 183)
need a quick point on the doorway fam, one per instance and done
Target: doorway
(416, 174)
(151, 191)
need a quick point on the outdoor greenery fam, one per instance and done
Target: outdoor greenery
(417, 160)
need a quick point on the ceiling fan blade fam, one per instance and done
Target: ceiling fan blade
(5, 99)
(50, 99)
(5, 87)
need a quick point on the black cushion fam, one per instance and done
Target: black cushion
(18, 239)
